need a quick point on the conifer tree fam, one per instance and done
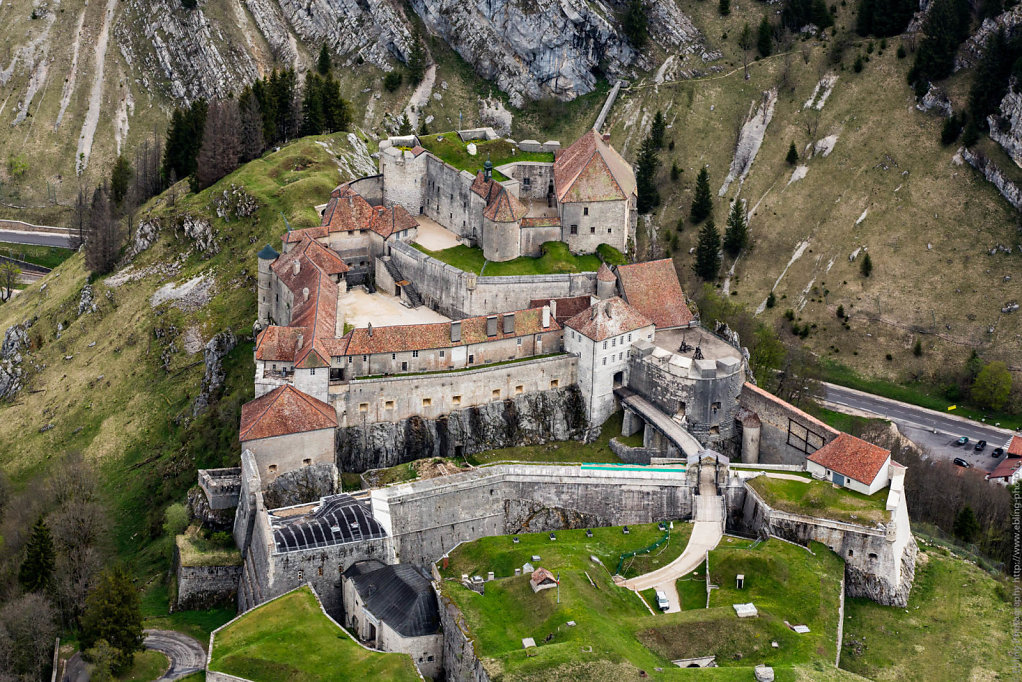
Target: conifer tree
(792, 157)
(708, 252)
(702, 203)
(313, 118)
(724, 7)
(120, 179)
(945, 27)
(966, 525)
(765, 38)
(336, 112)
(323, 62)
(113, 613)
(645, 176)
(746, 45)
(40, 559)
(736, 236)
(658, 130)
(636, 24)
(417, 59)
(405, 126)
(866, 268)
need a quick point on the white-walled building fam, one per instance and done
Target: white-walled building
(852, 463)
(600, 336)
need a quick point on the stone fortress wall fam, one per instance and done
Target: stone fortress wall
(459, 294)
(787, 435)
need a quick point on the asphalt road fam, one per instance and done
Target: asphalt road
(935, 431)
(38, 238)
(185, 653)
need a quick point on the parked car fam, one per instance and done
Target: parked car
(980, 445)
(962, 441)
(962, 463)
(661, 600)
(997, 452)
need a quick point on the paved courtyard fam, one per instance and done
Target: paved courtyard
(433, 235)
(383, 310)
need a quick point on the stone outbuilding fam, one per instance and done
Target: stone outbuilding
(394, 608)
(542, 579)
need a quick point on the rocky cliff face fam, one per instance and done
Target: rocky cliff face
(524, 420)
(545, 48)
(1006, 129)
(1008, 189)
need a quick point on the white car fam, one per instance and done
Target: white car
(661, 600)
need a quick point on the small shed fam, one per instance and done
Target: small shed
(542, 579)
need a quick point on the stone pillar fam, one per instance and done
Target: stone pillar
(263, 293)
(631, 423)
(751, 427)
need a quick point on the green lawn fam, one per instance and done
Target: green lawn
(195, 550)
(615, 636)
(957, 626)
(47, 256)
(147, 666)
(785, 582)
(556, 259)
(692, 590)
(197, 624)
(559, 451)
(289, 639)
(823, 500)
(455, 152)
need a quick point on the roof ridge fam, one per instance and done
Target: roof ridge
(280, 390)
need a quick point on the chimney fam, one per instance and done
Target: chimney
(491, 325)
(553, 308)
(301, 339)
(305, 292)
(606, 137)
(369, 329)
(546, 316)
(509, 323)
(297, 266)
(455, 332)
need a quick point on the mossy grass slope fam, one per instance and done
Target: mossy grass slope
(291, 640)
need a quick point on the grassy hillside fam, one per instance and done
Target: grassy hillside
(118, 384)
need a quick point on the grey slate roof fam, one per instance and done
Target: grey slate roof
(402, 597)
(339, 519)
(268, 253)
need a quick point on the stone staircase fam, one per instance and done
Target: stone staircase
(409, 290)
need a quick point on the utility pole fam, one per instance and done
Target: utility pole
(558, 587)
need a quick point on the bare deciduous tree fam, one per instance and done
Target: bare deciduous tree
(9, 273)
(221, 146)
(103, 240)
(28, 627)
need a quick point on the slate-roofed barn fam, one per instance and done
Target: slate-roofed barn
(394, 608)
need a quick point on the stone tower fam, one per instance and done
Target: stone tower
(265, 258)
(606, 282)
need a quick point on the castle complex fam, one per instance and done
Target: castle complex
(474, 363)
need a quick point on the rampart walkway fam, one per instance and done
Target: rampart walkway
(706, 534)
(652, 415)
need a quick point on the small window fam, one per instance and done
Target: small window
(851, 553)
(592, 229)
(272, 468)
(363, 407)
(604, 345)
(574, 229)
(629, 338)
(610, 231)
(427, 402)
(306, 462)
(312, 372)
(495, 394)
(456, 400)
(320, 570)
(388, 404)
(519, 340)
(471, 359)
(442, 354)
(301, 574)
(275, 365)
(605, 362)
(519, 389)
(365, 358)
(554, 383)
(415, 353)
(872, 555)
(393, 356)
(585, 211)
(715, 406)
(613, 342)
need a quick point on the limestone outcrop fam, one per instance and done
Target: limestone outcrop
(15, 341)
(538, 418)
(1006, 128)
(1008, 189)
(214, 353)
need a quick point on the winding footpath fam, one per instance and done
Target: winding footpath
(185, 653)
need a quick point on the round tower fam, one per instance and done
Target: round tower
(264, 259)
(606, 282)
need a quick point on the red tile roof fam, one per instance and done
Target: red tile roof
(541, 221)
(348, 210)
(592, 170)
(317, 313)
(282, 411)
(608, 318)
(407, 337)
(605, 274)
(654, 290)
(852, 457)
(504, 207)
(566, 308)
(1015, 447)
(1006, 469)
(279, 344)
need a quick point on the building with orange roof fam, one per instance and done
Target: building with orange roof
(852, 463)
(286, 429)
(585, 197)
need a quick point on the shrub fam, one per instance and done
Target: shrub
(857, 66)
(771, 300)
(789, 315)
(392, 81)
(841, 312)
(901, 52)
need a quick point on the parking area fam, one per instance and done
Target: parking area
(943, 446)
